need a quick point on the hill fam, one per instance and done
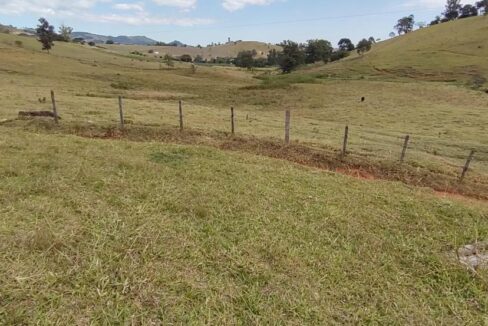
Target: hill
(453, 52)
(229, 50)
(130, 40)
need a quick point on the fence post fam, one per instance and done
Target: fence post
(232, 117)
(466, 166)
(181, 115)
(121, 113)
(287, 126)
(344, 145)
(55, 110)
(405, 146)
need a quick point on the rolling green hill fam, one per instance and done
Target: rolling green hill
(456, 51)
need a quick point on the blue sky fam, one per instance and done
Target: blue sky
(206, 21)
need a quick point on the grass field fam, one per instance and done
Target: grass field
(147, 227)
(105, 232)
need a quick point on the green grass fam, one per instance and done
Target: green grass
(454, 52)
(109, 232)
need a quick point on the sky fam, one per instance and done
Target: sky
(206, 21)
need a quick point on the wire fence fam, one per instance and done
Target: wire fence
(363, 140)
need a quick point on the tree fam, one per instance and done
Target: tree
(363, 46)
(372, 40)
(345, 44)
(273, 58)
(317, 50)
(168, 60)
(436, 21)
(291, 57)
(45, 34)
(109, 42)
(482, 6)
(65, 33)
(392, 35)
(199, 59)
(453, 7)
(405, 24)
(468, 11)
(245, 59)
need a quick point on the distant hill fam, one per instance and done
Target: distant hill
(453, 51)
(122, 39)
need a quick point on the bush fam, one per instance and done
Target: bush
(186, 58)
(18, 43)
(91, 43)
(109, 42)
(338, 55)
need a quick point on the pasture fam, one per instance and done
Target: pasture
(155, 226)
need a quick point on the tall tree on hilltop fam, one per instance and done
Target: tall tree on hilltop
(345, 44)
(405, 24)
(482, 6)
(45, 34)
(468, 11)
(453, 8)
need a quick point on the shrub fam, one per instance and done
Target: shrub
(91, 43)
(18, 43)
(186, 58)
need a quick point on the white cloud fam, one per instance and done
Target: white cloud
(233, 5)
(183, 4)
(129, 6)
(84, 10)
(146, 19)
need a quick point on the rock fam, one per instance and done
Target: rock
(474, 256)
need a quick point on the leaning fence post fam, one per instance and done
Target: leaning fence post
(55, 111)
(232, 122)
(181, 115)
(121, 112)
(344, 145)
(466, 166)
(405, 147)
(287, 126)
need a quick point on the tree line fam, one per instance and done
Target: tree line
(454, 9)
(294, 54)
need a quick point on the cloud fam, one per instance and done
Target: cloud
(183, 4)
(146, 19)
(129, 6)
(85, 10)
(233, 5)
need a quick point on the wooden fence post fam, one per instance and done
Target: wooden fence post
(181, 115)
(344, 145)
(55, 110)
(405, 147)
(287, 126)
(466, 166)
(121, 113)
(232, 122)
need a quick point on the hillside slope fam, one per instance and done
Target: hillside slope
(454, 51)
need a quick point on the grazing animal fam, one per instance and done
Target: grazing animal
(37, 114)
(363, 99)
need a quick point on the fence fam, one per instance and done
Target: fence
(402, 151)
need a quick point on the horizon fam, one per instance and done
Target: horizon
(203, 22)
